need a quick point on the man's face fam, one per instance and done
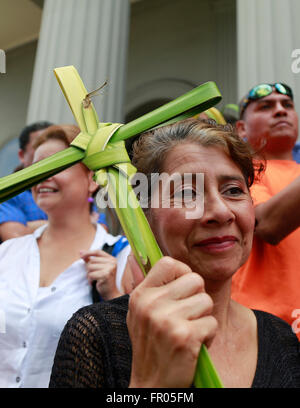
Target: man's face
(270, 124)
(26, 155)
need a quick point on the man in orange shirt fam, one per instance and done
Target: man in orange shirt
(270, 279)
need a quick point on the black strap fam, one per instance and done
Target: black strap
(95, 294)
(108, 248)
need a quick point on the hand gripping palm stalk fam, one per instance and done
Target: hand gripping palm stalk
(101, 147)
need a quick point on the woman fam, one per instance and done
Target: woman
(185, 301)
(46, 276)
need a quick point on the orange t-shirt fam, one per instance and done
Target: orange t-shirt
(270, 279)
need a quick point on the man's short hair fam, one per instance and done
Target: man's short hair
(34, 127)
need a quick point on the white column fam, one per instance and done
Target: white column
(225, 49)
(92, 35)
(267, 33)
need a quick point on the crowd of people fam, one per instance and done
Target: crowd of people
(80, 313)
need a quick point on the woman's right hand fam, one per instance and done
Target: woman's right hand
(168, 320)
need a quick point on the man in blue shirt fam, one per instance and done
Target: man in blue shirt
(20, 215)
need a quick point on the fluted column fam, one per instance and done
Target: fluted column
(225, 48)
(267, 33)
(92, 35)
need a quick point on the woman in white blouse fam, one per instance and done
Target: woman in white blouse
(46, 276)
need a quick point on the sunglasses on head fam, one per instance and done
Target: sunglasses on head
(262, 90)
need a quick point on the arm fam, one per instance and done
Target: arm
(14, 215)
(14, 229)
(279, 215)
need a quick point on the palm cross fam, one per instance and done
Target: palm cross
(101, 147)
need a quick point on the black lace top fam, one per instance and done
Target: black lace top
(95, 350)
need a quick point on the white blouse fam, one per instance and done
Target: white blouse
(32, 317)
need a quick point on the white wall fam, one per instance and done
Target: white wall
(14, 90)
(268, 32)
(14, 96)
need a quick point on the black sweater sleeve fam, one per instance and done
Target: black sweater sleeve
(94, 349)
(278, 364)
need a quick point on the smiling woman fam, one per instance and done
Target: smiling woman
(153, 338)
(48, 275)
(68, 190)
(227, 203)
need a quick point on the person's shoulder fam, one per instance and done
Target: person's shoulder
(274, 164)
(94, 348)
(103, 235)
(117, 306)
(276, 173)
(278, 336)
(275, 324)
(22, 240)
(14, 250)
(279, 352)
(17, 242)
(105, 321)
(114, 310)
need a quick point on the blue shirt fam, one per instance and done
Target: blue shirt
(21, 208)
(296, 152)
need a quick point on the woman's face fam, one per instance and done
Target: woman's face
(216, 239)
(66, 190)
